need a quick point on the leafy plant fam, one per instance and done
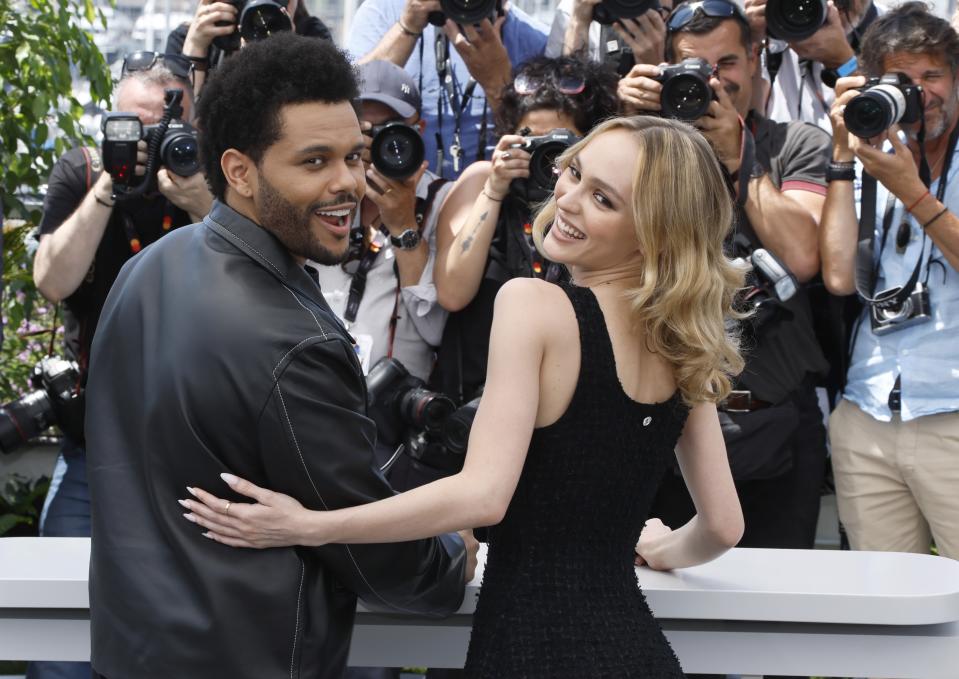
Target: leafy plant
(20, 503)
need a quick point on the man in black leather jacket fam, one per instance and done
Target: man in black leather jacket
(216, 352)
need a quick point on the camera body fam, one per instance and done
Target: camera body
(56, 399)
(466, 12)
(610, 11)
(768, 285)
(178, 149)
(915, 309)
(256, 20)
(543, 150)
(686, 92)
(884, 101)
(792, 20)
(397, 150)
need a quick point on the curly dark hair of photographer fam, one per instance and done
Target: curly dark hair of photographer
(241, 103)
(595, 103)
(910, 28)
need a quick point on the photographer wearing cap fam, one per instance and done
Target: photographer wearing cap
(385, 293)
(895, 452)
(803, 61)
(773, 424)
(461, 54)
(86, 237)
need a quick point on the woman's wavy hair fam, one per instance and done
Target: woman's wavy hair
(595, 103)
(682, 211)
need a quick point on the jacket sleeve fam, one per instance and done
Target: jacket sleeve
(317, 445)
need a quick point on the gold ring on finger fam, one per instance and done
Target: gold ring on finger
(226, 510)
(507, 155)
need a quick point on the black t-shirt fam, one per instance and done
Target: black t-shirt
(67, 187)
(785, 351)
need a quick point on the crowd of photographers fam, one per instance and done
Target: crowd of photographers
(836, 123)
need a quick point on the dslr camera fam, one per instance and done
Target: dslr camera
(792, 20)
(171, 143)
(397, 401)
(56, 400)
(397, 150)
(884, 101)
(544, 151)
(887, 318)
(686, 92)
(258, 19)
(465, 12)
(609, 11)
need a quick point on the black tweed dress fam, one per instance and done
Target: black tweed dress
(560, 597)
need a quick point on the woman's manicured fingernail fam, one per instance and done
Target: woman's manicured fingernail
(189, 517)
(229, 478)
(191, 491)
(185, 503)
(207, 535)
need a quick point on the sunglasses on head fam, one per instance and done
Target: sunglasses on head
(566, 84)
(684, 13)
(179, 65)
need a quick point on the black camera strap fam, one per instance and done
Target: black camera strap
(867, 268)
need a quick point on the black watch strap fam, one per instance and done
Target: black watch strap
(407, 240)
(844, 172)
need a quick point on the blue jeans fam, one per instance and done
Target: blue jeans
(66, 514)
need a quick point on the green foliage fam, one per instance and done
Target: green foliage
(20, 503)
(43, 45)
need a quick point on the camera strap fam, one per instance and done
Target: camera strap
(867, 268)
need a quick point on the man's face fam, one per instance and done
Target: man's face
(723, 48)
(939, 96)
(146, 100)
(310, 181)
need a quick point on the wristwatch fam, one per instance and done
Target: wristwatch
(842, 172)
(408, 240)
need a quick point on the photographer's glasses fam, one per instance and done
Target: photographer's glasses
(179, 65)
(720, 9)
(566, 84)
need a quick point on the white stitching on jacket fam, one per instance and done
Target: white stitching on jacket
(296, 632)
(233, 235)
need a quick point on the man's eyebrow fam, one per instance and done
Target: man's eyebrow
(316, 149)
(597, 181)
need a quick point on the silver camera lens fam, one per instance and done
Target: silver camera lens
(872, 112)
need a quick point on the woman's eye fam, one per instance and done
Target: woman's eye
(602, 200)
(573, 170)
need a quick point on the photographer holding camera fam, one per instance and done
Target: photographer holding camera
(895, 453)
(777, 170)
(484, 236)
(86, 237)
(809, 45)
(461, 54)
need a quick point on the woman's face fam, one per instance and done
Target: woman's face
(594, 225)
(545, 120)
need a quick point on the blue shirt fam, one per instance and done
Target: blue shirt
(523, 37)
(926, 355)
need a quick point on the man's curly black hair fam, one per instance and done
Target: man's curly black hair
(241, 103)
(588, 108)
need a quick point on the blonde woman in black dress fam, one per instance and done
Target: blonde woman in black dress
(591, 389)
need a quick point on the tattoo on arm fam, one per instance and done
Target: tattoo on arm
(469, 239)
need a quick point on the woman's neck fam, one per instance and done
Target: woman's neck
(618, 279)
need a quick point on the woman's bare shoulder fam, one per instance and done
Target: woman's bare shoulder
(539, 303)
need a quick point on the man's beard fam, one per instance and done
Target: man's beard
(292, 227)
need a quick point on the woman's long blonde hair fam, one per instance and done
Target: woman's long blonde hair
(682, 211)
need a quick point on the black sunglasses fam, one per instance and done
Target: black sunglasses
(179, 65)
(720, 9)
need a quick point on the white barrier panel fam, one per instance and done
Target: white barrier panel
(751, 612)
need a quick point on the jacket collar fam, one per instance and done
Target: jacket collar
(264, 248)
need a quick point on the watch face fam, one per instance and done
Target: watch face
(407, 240)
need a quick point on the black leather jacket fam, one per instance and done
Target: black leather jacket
(216, 352)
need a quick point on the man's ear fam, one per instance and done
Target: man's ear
(240, 172)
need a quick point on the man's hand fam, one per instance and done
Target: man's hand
(722, 128)
(896, 171)
(484, 54)
(645, 35)
(583, 11)
(756, 15)
(827, 45)
(472, 547)
(395, 199)
(846, 90)
(416, 13)
(639, 90)
(188, 193)
(203, 28)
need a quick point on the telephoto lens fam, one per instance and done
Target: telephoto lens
(686, 92)
(609, 11)
(884, 102)
(791, 20)
(397, 150)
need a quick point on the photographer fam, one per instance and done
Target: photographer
(461, 90)
(484, 236)
(801, 72)
(774, 414)
(86, 237)
(385, 294)
(893, 436)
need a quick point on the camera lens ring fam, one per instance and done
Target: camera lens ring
(874, 111)
(397, 151)
(686, 97)
(791, 20)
